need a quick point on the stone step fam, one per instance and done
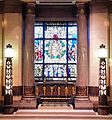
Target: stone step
(55, 114)
(83, 103)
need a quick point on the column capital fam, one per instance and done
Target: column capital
(30, 8)
(81, 8)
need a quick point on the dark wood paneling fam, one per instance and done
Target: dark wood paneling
(70, 90)
(55, 13)
(40, 90)
(17, 90)
(99, 6)
(1, 6)
(55, 90)
(12, 6)
(48, 90)
(93, 90)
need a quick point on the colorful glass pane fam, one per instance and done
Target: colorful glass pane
(72, 23)
(56, 23)
(55, 51)
(59, 30)
(38, 32)
(38, 70)
(72, 51)
(72, 32)
(38, 51)
(55, 71)
(72, 70)
(56, 78)
(71, 79)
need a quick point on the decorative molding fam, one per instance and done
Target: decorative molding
(82, 8)
(12, 6)
(59, 13)
(1, 6)
(28, 90)
(81, 90)
(29, 8)
(99, 6)
(17, 90)
(92, 90)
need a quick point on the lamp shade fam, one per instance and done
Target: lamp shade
(102, 52)
(9, 51)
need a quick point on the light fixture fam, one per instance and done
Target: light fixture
(103, 102)
(102, 51)
(8, 97)
(9, 51)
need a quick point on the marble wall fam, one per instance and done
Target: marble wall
(99, 34)
(1, 65)
(13, 36)
(11, 32)
(110, 60)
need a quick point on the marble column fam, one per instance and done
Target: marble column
(28, 100)
(82, 65)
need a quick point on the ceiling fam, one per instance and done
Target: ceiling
(55, 1)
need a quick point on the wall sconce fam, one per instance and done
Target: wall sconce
(103, 102)
(8, 97)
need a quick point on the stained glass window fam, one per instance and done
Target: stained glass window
(55, 51)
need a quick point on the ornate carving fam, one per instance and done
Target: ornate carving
(51, 90)
(8, 76)
(81, 90)
(12, 6)
(44, 88)
(28, 90)
(59, 92)
(30, 8)
(36, 90)
(81, 8)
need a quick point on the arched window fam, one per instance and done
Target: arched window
(55, 51)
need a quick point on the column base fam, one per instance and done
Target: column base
(103, 110)
(83, 102)
(8, 109)
(28, 102)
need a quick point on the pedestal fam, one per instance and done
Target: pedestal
(8, 109)
(103, 110)
(28, 103)
(83, 103)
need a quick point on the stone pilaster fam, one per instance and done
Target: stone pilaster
(82, 99)
(28, 100)
(82, 69)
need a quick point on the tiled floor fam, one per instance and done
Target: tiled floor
(55, 115)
